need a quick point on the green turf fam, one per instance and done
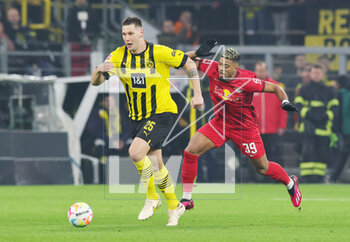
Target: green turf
(263, 213)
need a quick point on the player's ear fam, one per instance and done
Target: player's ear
(142, 32)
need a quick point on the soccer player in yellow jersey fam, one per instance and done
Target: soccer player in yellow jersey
(143, 68)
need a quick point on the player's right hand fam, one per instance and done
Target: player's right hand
(197, 102)
(105, 67)
(289, 107)
(205, 48)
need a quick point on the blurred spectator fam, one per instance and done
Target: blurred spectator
(344, 94)
(185, 24)
(305, 77)
(168, 37)
(82, 24)
(318, 105)
(271, 118)
(277, 72)
(23, 39)
(257, 22)
(329, 77)
(296, 21)
(299, 63)
(304, 80)
(4, 37)
(104, 131)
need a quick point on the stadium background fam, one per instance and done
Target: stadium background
(52, 129)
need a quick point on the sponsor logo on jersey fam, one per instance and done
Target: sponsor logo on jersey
(138, 80)
(226, 94)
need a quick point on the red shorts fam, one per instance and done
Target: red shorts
(248, 141)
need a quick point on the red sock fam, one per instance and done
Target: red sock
(189, 171)
(276, 172)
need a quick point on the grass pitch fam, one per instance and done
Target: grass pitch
(263, 213)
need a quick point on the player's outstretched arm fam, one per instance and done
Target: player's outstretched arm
(100, 74)
(202, 51)
(281, 95)
(197, 99)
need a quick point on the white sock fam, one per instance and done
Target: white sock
(290, 184)
(187, 195)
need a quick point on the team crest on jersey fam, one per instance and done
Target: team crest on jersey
(149, 64)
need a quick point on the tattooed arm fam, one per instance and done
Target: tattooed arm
(197, 100)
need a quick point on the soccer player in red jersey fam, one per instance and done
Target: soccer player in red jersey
(233, 88)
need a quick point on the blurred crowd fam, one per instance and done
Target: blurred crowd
(80, 26)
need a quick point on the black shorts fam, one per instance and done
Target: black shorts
(154, 129)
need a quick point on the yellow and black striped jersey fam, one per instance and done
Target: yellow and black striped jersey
(145, 77)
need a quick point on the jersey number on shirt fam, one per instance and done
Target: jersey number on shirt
(138, 80)
(149, 126)
(250, 148)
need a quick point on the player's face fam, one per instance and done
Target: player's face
(316, 74)
(132, 36)
(227, 69)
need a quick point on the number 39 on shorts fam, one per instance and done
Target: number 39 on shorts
(250, 148)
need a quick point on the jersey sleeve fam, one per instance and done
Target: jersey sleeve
(114, 57)
(255, 85)
(172, 58)
(208, 67)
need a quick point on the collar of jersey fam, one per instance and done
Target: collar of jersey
(147, 44)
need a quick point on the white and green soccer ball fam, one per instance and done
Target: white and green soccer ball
(80, 214)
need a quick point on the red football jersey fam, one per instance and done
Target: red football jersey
(233, 97)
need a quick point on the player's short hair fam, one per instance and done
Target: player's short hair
(132, 20)
(231, 54)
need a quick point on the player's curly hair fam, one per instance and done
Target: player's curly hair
(231, 54)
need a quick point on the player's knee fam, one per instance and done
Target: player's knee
(261, 170)
(192, 150)
(135, 155)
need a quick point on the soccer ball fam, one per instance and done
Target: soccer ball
(80, 214)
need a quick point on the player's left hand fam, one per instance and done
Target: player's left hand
(197, 102)
(205, 48)
(288, 107)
